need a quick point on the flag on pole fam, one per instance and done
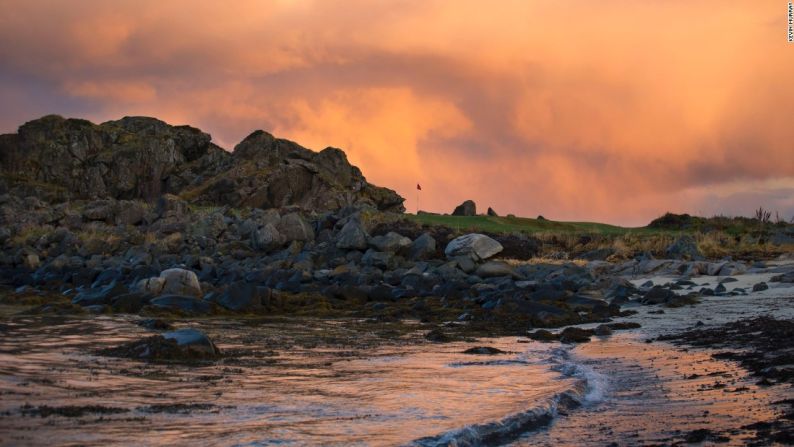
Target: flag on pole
(418, 187)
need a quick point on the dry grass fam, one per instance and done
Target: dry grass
(545, 261)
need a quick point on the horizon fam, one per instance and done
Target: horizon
(520, 107)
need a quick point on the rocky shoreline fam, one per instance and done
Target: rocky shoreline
(138, 217)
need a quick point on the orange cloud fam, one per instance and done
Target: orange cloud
(615, 110)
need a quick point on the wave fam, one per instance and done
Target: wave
(589, 388)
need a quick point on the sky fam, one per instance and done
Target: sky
(613, 111)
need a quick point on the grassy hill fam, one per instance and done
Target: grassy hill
(512, 224)
(716, 237)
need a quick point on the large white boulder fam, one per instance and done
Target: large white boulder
(474, 245)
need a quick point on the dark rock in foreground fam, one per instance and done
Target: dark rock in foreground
(180, 345)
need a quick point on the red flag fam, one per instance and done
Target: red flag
(418, 187)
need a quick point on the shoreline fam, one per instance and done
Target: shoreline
(656, 392)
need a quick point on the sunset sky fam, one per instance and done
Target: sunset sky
(613, 111)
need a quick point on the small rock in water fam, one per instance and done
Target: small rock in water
(180, 345)
(542, 335)
(603, 330)
(484, 350)
(760, 287)
(437, 336)
(575, 335)
(155, 324)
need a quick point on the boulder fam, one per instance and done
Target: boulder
(352, 236)
(101, 210)
(102, 295)
(169, 205)
(467, 208)
(193, 340)
(243, 296)
(476, 246)
(732, 268)
(684, 248)
(496, 268)
(424, 247)
(295, 228)
(210, 226)
(151, 286)
(267, 238)
(381, 259)
(131, 212)
(180, 282)
(491, 212)
(658, 295)
(761, 286)
(180, 345)
(130, 302)
(390, 242)
(31, 261)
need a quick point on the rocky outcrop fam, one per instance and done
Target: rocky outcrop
(143, 158)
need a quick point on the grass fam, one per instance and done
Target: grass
(716, 237)
(512, 224)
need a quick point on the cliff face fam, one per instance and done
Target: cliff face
(143, 158)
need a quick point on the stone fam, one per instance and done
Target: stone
(31, 261)
(658, 295)
(295, 228)
(130, 212)
(575, 335)
(424, 247)
(465, 263)
(101, 210)
(484, 350)
(732, 269)
(169, 205)
(603, 330)
(151, 286)
(761, 286)
(267, 238)
(390, 242)
(193, 340)
(130, 302)
(476, 246)
(243, 296)
(380, 259)
(492, 269)
(180, 282)
(100, 296)
(684, 248)
(467, 208)
(210, 226)
(352, 236)
(491, 212)
(187, 304)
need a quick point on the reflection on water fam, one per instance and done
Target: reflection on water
(276, 390)
(306, 382)
(657, 394)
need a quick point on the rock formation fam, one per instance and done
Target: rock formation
(142, 158)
